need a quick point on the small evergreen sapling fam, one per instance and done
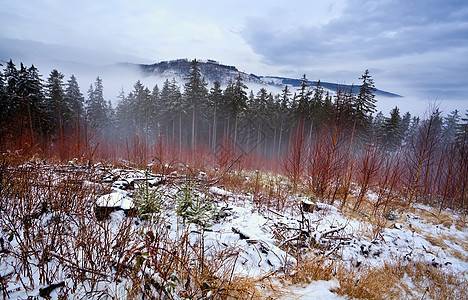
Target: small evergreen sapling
(195, 206)
(148, 202)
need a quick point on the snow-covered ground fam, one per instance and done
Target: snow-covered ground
(258, 236)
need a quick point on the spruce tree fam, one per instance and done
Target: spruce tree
(272, 122)
(258, 109)
(172, 109)
(96, 107)
(377, 123)
(154, 108)
(195, 93)
(30, 90)
(2, 82)
(12, 103)
(57, 108)
(3, 103)
(412, 130)
(239, 103)
(166, 115)
(364, 103)
(3, 111)
(405, 124)
(124, 117)
(215, 98)
(303, 100)
(461, 135)
(317, 105)
(285, 116)
(75, 99)
(343, 111)
(140, 107)
(391, 138)
(11, 77)
(450, 126)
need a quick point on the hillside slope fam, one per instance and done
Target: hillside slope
(214, 71)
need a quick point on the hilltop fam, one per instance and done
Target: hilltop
(212, 71)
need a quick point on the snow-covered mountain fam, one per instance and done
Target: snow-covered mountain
(214, 71)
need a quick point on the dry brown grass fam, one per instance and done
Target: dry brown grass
(308, 270)
(459, 255)
(461, 222)
(233, 181)
(402, 280)
(367, 284)
(437, 241)
(240, 288)
(435, 216)
(93, 252)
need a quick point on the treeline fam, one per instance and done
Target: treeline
(38, 112)
(251, 122)
(327, 141)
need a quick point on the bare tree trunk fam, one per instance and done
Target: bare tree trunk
(279, 139)
(235, 132)
(228, 130)
(180, 132)
(30, 124)
(330, 163)
(173, 131)
(258, 139)
(86, 133)
(295, 154)
(420, 163)
(273, 150)
(78, 135)
(61, 150)
(214, 130)
(193, 128)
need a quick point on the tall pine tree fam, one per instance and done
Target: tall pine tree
(75, 99)
(391, 138)
(57, 108)
(215, 98)
(364, 103)
(195, 93)
(96, 108)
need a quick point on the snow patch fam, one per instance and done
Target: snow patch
(115, 199)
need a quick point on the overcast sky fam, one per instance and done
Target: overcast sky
(416, 48)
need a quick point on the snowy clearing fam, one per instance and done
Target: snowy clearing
(62, 249)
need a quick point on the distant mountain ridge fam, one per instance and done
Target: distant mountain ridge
(214, 71)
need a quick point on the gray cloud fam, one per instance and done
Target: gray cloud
(35, 52)
(366, 30)
(416, 48)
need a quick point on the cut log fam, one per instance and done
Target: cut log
(242, 235)
(307, 206)
(44, 292)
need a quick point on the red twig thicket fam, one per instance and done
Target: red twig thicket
(294, 160)
(322, 160)
(424, 169)
(368, 167)
(328, 161)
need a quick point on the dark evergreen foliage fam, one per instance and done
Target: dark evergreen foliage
(261, 122)
(96, 107)
(364, 103)
(391, 130)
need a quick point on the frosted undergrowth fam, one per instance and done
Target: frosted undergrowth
(260, 236)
